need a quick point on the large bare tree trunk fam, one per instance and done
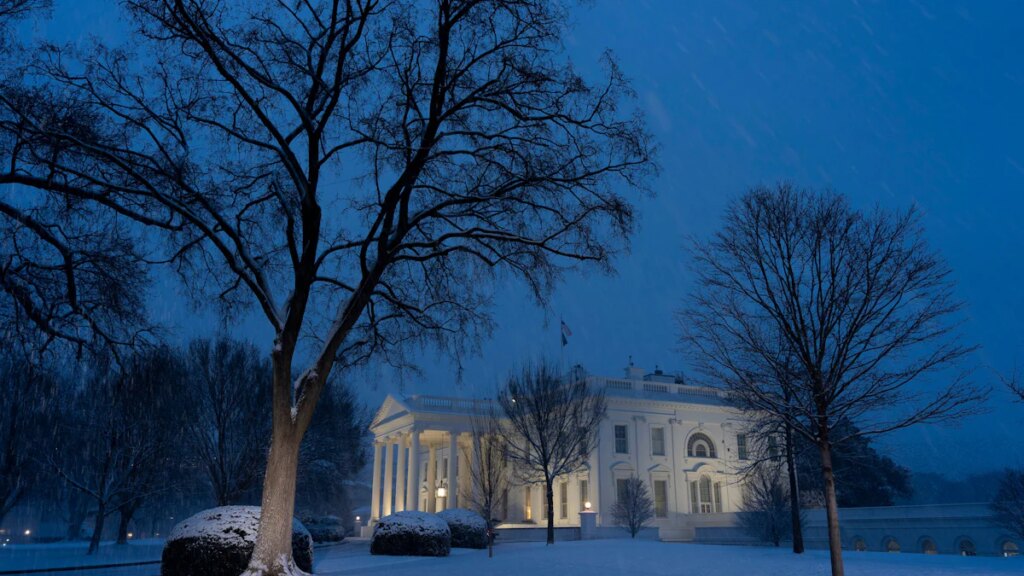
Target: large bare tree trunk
(835, 543)
(274, 541)
(272, 555)
(550, 495)
(794, 493)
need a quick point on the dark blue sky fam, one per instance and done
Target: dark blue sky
(891, 103)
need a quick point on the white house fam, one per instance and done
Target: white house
(685, 441)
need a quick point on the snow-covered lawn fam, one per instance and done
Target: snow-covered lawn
(597, 558)
(61, 554)
(626, 557)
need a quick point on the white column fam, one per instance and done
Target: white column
(389, 476)
(477, 464)
(412, 497)
(375, 496)
(400, 479)
(432, 480)
(453, 481)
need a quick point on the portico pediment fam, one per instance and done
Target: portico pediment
(391, 408)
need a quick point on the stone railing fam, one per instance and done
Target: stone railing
(450, 404)
(647, 386)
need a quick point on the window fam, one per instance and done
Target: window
(773, 449)
(621, 440)
(563, 500)
(892, 545)
(928, 546)
(1010, 548)
(660, 498)
(859, 545)
(544, 505)
(741, 446)
(718, 497)
(620, 489)
(700, 446)
(658, 441)
(445, 468)
(967, 548)
(700, 495)
(527, 504)
(584, 494)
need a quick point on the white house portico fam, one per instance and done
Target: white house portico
(684, 441)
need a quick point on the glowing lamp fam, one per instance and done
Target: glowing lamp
(586, 505)
(28, 532)
(442, 493)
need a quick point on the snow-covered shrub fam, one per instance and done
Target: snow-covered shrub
(469, 529)
(219, 542)
(324, 528)
(411, 534)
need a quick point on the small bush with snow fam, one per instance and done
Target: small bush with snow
(324, 528)
(469, 529)
(411, 534)
(219, 542)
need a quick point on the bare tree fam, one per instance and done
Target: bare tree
(228, 397)
(26, 387)
(112, 443)
(633, 507)
(858, 299)
(767, 508)
(490, 477)
(1008, 503)
(550, 424)
(359, 172)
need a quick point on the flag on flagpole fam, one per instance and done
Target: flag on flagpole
(565, 333)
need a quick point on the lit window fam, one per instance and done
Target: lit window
(621, 440)
(527, 504)
(658, 441)
(967, 548)
(928, 546)
(563, 500)
(891, 545)
(859, 545)
(584, 494)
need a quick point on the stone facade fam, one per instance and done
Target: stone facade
(684, 441)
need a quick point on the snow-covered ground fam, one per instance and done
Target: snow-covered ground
(63, 554)
(597, 557)
(628, 557)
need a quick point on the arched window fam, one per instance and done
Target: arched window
(859, 545)
(705, 496)
(928, 546)
(967, 547)
(891, 545)
(700, 446)
(1010, 548)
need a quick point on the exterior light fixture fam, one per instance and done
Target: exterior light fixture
(131, 535)
(586, 505)
(357, 518)
(28, 532)
(442, 493)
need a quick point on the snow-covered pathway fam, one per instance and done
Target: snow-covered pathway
(626, 557)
